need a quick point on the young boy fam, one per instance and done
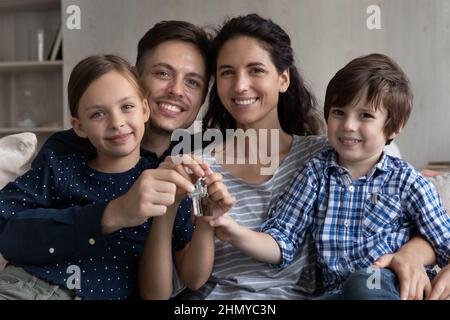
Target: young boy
(357, 202)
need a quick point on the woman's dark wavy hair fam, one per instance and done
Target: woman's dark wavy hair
(297, 107)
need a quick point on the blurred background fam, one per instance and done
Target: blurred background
(326, 34)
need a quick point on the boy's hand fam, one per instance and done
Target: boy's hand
(226, 228)
(410, 272)
(441, 285)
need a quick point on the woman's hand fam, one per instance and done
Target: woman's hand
(221, 200)
(441, 285)
(189, 167)
(410, 272)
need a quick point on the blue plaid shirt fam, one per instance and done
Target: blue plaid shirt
(355, 222)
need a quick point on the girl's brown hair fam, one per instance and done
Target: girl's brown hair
(90, 69)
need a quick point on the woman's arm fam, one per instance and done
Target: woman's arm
(156, 266)
(195, 262)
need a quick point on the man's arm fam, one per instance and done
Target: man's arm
(33, 231)
(62, 143)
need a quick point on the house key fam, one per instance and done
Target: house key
(199, 196)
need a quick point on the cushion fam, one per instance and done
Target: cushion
(16, 153)
(442, 184)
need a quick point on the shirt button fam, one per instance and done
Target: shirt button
(51, 250)
(91, 241)
(346, 223)
(351, 188)
(352, 269)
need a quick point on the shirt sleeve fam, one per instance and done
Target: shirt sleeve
(433, 222)
(34, 231)
(292, 214)
(183, 228)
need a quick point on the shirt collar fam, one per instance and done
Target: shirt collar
(384, 165)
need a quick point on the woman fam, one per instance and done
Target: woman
(257, 86)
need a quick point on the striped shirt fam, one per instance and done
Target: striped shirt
(353, 223)
(237, 276)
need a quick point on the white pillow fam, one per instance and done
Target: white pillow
(17, 151)
(16, 154)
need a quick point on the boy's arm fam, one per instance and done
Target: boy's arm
(291, 217)
(258, 245)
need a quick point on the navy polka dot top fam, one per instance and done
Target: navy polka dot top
(50, 225)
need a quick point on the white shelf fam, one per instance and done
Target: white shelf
(18, 66)
(27, 5)
(13, 130)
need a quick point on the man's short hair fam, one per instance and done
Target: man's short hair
(174, 30)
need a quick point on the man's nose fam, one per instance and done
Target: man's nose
(176, 86)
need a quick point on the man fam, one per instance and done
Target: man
(172, 61)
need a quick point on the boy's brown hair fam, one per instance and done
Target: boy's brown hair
(379, 80)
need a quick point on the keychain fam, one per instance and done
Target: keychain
(200, 201)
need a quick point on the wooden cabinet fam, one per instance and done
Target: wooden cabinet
(31, 86)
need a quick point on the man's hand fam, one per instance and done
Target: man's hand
(441, 285)
(149, 196)
(410, 272)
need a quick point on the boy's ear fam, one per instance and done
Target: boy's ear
(78, 127)
(284, 80)
(146, 110)
(394, 134)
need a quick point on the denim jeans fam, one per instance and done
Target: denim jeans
(371, 284)
(17, 284)
(367, 284)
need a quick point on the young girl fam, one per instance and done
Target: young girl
(61, 254)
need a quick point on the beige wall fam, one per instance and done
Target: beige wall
(326, 34)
